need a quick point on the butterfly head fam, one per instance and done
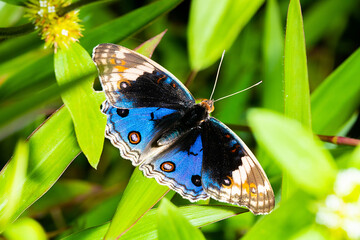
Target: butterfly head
(208, 104)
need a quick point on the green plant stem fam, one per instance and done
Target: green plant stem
(338, 140)
(10, 32)
(191, 77)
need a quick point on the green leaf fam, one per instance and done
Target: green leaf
(147, 48)
(297, 93)
(214, 26)
(337, 98)
(15, 2)
(25, 228)
(15, 114)
(354, 160)
(298, 152)
(52, 148)
(296, 83)
(291, 217)
(146, 229)
(273, 50)
(121, 28)
(13, 185)
(172, 223)
(139, 187)
(81, 101)
(9, 14)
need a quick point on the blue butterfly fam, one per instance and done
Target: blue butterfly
(154, 121)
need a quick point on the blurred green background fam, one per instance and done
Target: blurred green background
(53, 197)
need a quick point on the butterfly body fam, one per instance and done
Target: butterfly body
(154, 121)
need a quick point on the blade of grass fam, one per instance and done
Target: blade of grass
(285, 221)
(52, 147)
(146, 229)
(118, 29)
(297, 94)
(298, 152)
(13, 183)
(172, 223)
(214, 26)
(337, 98)
(296, 84)
(273, 52)
(17, 114)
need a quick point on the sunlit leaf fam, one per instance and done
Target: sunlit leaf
(146, 229)
(214, 26)
(337, 98)
(81, 101)
(172, 223)
(298, 152)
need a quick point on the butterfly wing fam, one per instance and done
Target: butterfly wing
(131, 130)
(179, 166)
(230, 171)
(131, 80)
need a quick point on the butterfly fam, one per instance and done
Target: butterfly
(154, 121)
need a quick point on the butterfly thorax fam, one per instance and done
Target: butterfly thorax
(191, 118)
(208, 104)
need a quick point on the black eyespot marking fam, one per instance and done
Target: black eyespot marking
(167, 166)
(134, 137)
(196, 180)
(227, 182)
(122, 112)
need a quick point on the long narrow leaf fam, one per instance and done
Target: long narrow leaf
(214, 26)
(13, 185)
(146, 229)
(81, 102)
(172, 223)
(337, 98)
(297, 93)
(296, 150)
(296, 85)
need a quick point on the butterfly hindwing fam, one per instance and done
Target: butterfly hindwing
(131, 130)
(179, 167)
(130, 80)
(230, 171)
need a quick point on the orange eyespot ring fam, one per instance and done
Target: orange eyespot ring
(122, 84)
(134, 137)
(167, 166)
(227, 182)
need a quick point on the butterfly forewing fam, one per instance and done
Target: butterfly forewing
(230, 171)
(131, 80)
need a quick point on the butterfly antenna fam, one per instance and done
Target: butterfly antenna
(217, 75)
(238, 92)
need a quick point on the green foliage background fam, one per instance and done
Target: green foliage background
(307, 56)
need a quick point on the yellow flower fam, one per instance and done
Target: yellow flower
(57, 30)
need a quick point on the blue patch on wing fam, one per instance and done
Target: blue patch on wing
(180, 170)
(131, 130)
